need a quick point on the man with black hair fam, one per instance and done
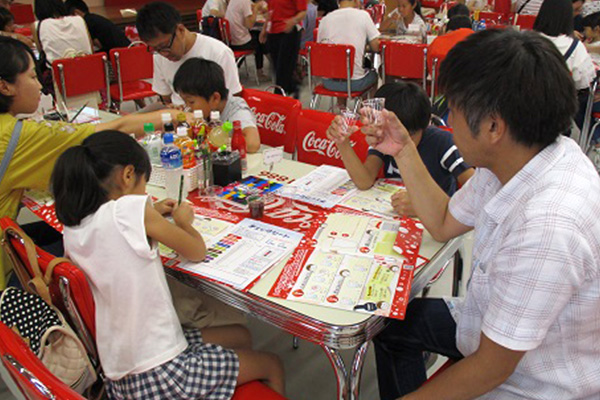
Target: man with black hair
(201, 85)
(410, 104)
(528, 325)
(159, 26)
(105, 34)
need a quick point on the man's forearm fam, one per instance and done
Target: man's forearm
(428, 199)
(355, 167)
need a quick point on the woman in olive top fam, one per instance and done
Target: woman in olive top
(39, 143)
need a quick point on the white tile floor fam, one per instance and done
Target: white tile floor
(309, 374)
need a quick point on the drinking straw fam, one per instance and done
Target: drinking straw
(180, 190)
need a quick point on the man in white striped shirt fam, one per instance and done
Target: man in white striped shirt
(529, 325)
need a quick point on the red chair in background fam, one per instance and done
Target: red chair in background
(131, 66)
(276, 117)
(31, 377)
(332, 61)
(81, 75)
(239, 55)
(495, 18)
(432, 3)
(524, 22)
(404, 61)
(23, 13)
(312, 145)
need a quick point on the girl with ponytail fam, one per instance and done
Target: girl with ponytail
(111, 232)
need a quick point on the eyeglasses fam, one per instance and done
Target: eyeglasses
(162, 49)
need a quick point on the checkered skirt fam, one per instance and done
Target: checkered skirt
(202, 371)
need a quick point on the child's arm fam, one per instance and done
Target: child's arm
(363, 175)
(252, 138)
(181, 236)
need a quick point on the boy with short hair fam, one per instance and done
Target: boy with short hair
(437, 150)
(201, 85)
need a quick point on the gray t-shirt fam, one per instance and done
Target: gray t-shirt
(237, 109)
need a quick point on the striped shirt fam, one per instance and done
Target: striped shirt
(535, 280)
(440, 156)
(531, 8)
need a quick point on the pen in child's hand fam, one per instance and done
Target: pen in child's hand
(180, 190)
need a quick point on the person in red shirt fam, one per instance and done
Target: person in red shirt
(283, 36)
(457, 29)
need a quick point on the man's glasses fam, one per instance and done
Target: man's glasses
(162, 49)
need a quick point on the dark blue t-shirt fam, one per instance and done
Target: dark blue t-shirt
(440, 156)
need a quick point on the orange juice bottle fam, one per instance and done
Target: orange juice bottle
(186, 145)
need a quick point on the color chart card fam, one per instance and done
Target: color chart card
(244, 253)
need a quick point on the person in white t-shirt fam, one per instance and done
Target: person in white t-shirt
(160, 27)
(351, 26)
(215, 8)
(407, 13)
(242, 15)
(112, 231)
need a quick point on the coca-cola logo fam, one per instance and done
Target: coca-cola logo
(272, 121)
(323, 146)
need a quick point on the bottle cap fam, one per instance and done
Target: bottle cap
(181, 117)
(166, 117)
(148, 127)
(198, 114)
(168, 138)
(237, 125)
(215, 115)
(181, 131)
(227, 126)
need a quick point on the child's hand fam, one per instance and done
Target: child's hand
(165, 206)
(401, 203)
(183, 214)
(390, 137)
(335, 132)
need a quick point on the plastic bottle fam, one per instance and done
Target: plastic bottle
(198, 124)
(167, 121)
(481, 26)
(238, 142)
(186, 145)
(170, 156)
(182, 122)
(216, 136)
(228, 130)
(153, 143)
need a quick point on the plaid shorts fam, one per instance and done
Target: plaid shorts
(202, 371)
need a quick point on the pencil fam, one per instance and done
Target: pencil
(180, 190)
(79, 112)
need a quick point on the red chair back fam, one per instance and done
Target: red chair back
(225, 30)
(81, 75)
(199, 15)
(525, 22)
(276, 117)
(23, 13)
(255, 390)
(132, 63)
(69, 289)
(404, 60)
(432, 3)
(334, 61)
(312, 145)
(27, 371)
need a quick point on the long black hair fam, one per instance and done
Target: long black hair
(555, 18)
(44, 9)
(81, 180)
(15, 58)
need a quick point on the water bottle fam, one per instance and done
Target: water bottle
(481, 26)
(172, 163)
(153, 143)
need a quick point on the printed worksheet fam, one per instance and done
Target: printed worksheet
(357, 235)
(325, 186)
(376, 200)
(244, 253)
(210, 229)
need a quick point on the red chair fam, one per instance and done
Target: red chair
(81, 75)
(199, 18)
(276, 117)
(31, 377)
(493, 18)
(332, 61)
(255, 391)
(131, 65)
(23, 13)
(239, 55)
(432, 3)
(524, 22)
(404, 61)
(312, 145)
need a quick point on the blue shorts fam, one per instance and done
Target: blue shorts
(357, 85)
